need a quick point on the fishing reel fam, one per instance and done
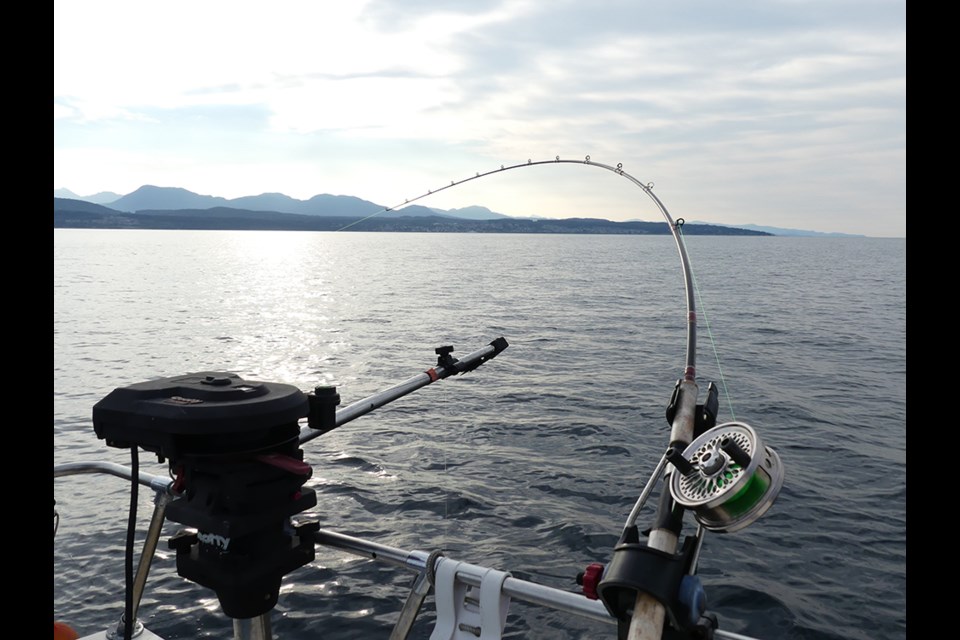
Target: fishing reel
(727, 476)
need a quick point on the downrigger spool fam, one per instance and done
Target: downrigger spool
(727, 477)
(234, 446)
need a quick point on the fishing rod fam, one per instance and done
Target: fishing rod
(646, 616)
(724, 474)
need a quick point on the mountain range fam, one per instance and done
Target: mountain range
(171, 208)
(151, 198)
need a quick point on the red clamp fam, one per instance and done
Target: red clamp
(590, 580)
(287, 463)
(178, 482)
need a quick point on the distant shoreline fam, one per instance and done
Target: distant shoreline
(69, 216)
(151, 207)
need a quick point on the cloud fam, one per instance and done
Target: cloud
(751, 99)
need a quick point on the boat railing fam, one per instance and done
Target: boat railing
(493, 589)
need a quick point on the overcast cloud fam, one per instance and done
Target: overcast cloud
(787, 114)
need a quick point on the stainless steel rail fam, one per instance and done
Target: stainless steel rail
(517, 589)
(157, 483)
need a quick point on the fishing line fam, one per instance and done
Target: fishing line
(713, 343)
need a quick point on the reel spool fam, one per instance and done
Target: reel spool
(727, 477)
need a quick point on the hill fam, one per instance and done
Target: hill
(77, 214)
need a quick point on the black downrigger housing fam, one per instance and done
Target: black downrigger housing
(233, 447)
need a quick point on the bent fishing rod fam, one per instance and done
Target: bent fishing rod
(724, 474)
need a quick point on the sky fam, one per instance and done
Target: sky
(784, 113)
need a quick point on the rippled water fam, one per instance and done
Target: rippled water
(531, 463)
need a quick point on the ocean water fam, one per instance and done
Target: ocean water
(529, 464)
